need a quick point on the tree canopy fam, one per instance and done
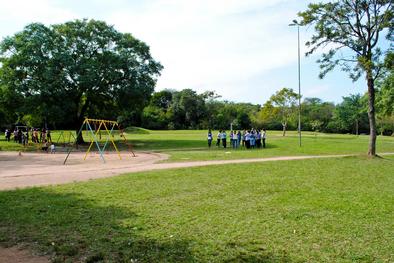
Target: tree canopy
(354, 25)
(76, 69)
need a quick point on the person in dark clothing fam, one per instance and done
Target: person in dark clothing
(210, 137)
(224, 139)
(45, 146)
(8, 135)
(258, 139)
(263, 137)
(49, 139)
(19, 136)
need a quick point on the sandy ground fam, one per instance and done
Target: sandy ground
(16, 255)
(37, 169)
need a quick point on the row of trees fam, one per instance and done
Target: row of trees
(186, 109)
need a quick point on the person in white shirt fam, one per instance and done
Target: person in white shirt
(219, 137)
(53, 148)
(263, 137)
(224, 139)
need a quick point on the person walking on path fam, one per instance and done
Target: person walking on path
(210, 137)
(263, 137)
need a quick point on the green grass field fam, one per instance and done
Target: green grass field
(322, 210)
(186, 145)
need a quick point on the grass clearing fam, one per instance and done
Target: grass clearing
(191, 145)
(322, 210)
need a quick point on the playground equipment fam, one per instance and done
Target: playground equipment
(66, 136)
(92, 133)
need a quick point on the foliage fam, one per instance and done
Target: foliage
(186, 109)
(316, 114)
(351, 114)
(356, 27)
(282, 105)
(385, 97)
(68, 71)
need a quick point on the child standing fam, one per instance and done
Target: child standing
(53, 148)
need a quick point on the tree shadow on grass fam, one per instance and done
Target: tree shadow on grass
(71, 228)
(254, 254)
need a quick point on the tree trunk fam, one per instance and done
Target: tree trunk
(371, 115)
(357, 127)
(284, 128)
(77, 128)
(79, 121)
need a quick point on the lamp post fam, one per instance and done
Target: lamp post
(295, 23)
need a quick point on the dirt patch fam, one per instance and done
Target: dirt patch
(37, 169)
(16, 255)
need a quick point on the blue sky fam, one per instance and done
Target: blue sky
(242, 49)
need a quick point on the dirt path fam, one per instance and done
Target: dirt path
(37, 169)
(16, 255)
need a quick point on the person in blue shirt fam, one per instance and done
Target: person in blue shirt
(239, 138)
(210, 137)
(224, 139)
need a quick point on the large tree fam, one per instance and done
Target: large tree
(77, 69)
(355, 25)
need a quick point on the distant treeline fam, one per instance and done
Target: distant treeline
(186, 109)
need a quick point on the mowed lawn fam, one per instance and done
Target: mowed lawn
(321, 210)
(191, 145)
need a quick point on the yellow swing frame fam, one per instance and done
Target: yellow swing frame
(99, 125)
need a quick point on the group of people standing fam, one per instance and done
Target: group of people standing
(248, 139)
(22, 135)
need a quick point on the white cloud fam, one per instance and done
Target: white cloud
(221, 45)
(211, 44)
(16, 14)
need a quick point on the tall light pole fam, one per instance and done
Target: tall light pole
(295, 23)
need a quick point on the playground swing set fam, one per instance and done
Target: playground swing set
(65, 138)
(93, 128)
